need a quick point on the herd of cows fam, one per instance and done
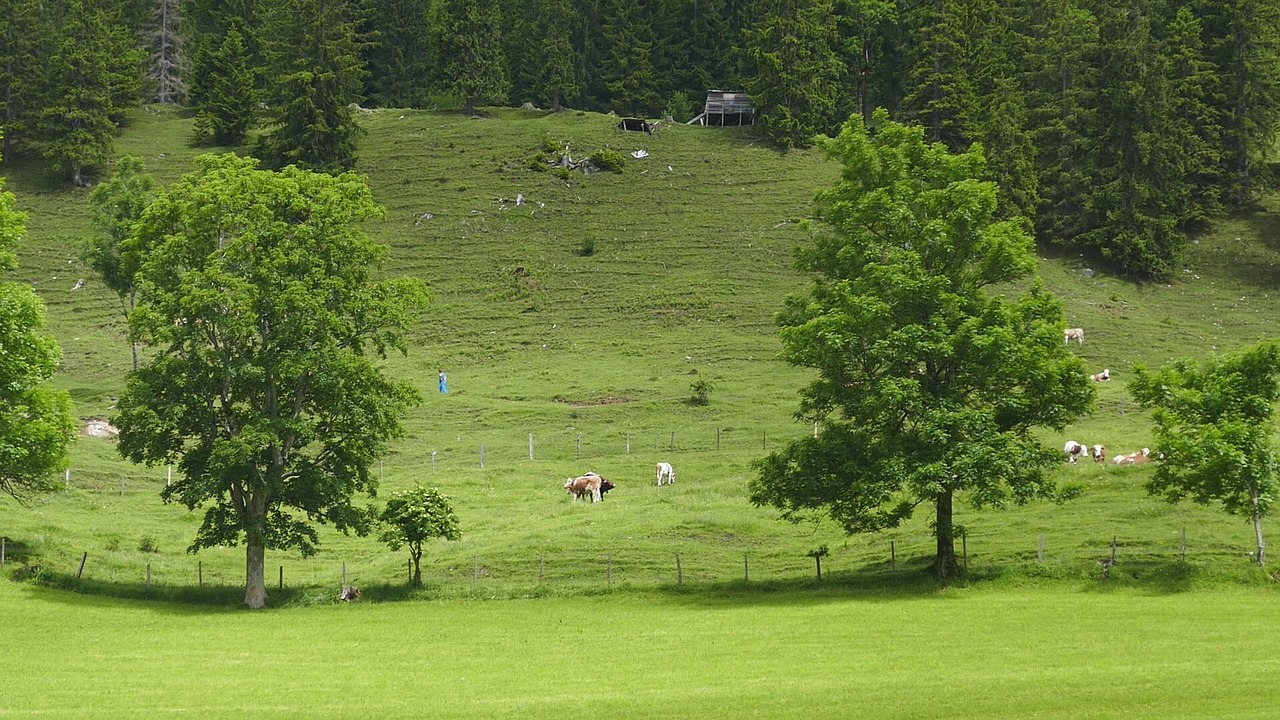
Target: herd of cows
(1075, 450)
(594, 486)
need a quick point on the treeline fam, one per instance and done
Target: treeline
(1115, 127)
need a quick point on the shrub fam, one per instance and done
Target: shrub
(701, 392)
(588, 247)
(147, 544)
(607, 159)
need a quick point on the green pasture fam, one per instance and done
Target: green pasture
(1070, 651)
(572, 327)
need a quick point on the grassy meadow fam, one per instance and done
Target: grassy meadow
(572, 327)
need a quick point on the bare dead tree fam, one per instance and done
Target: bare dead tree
(168, 57)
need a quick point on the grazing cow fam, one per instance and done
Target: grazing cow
(589, 483)
(1070, 334)
(1103, 376)
(349, 593)
(1074, 450)
(605, 486)
(1134, 458)
(1099, 453)
(666, 473)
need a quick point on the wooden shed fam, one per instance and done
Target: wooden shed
(725, 107)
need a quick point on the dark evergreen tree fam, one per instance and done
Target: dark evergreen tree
(627, 70)
(1242, 40)
(1139, 188)
(1198, 122)
(398, 55)
(473, 65)
(224, 98)
(523, 40)
(315, 55)
(24, 36)
(556, 60)
(866, 32)
(795, 71)
(93, 77)
(1061, 75)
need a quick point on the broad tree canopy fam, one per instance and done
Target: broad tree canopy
(1214, 424)
(260, 301)
(36, 424)
(412, 517)
(937, 351)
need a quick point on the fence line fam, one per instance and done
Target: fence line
(680, 568)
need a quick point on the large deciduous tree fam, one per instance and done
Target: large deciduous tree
(260, 300)
(937, 351)
(36, 424)
(1214, 424)
(412, 517)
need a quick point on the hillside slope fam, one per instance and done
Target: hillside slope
(572, 326)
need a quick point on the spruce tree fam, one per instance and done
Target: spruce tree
(557, 60)
(627, 70)
(1243, 43)
(93, 78)
(398, 55)
(24, 35)
(467, 35)
(225, 100)
(795, 70)
(315, 54)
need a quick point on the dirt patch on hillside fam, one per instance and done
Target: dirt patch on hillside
(97, 427)
(602, 400)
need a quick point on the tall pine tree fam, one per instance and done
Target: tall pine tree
(319, 75)
(473, 64)
(795, 73)
(627, 70)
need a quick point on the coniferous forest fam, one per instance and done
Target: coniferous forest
(1116, 128)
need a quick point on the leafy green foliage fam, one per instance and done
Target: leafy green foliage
(1214, 422)
(36, 424)
(114, 252)
(929, 383)
(259, 299)
(412, 517)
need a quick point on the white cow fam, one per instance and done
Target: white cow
(1074, 450)
(666, 473)
(1076, 334)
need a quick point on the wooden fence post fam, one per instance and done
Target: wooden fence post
(530, 446)
(1040, 552)
(199, 573)
(541, 567)
(893, 555)
(673, 443)
(610, 557)
(746, 576)
(433, 461)
(475, 570)
(148, 575)
(1184, 546)
(482, 456)
(80, 571)
(579, 446)
(964, 545)
(628, 443)
(281, 577)
(679, 571)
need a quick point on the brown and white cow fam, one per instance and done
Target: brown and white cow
(588, 483)
(1098, 453)
(1074, 450)
(1134, 458)
(1103, 376)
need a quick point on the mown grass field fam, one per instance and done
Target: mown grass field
(589, 359)
(1062, 652)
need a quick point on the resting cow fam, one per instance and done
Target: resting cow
(1134, 458)
(1099, 453)
(1074, 450)
(1103, 376)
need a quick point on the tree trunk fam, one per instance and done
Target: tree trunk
(255, 581)
(944, 563)
(417, 566)
(470, 109)
(1257, 528)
